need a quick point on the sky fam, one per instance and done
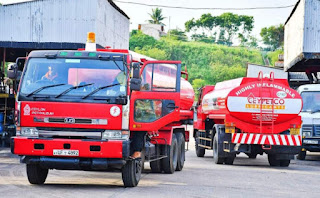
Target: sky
(263, 18)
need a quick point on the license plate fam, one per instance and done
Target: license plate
(310, 141)
(66, 152)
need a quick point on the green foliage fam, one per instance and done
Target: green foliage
(222, 29)
(273, 56)
(153, 52)
(207, 63)
(140, 40)
(198, 83)
(177, 34)
(273, 36)
(156, 16)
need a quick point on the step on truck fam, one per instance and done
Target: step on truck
(78, 110)
(251, 116)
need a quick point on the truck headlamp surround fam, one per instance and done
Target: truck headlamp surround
(115, 135)
(29, 132)
(306, 134)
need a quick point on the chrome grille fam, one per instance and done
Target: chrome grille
(307, 128)
(316, 130)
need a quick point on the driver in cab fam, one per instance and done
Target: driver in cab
(51, 74)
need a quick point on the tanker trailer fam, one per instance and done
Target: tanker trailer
(251, 116)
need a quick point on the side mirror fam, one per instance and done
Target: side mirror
(135, 82)
(12, 71)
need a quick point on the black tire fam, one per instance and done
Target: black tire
(302, 155)
(181, 151)
(216, 153)
(199, 150)
(169, 164)
(284, 163)
(156, 165)
(252, 155)
(131, 173)
(36, 174)
(273, 161)
(229, 160)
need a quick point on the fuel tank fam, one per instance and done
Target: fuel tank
(186, 95)
(249, 102)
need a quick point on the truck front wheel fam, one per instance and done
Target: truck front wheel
(36, 174)
(181, 151)
(199, 150)
(131, 173)
(169, 164)
(216, 153)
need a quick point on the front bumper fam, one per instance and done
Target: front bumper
(87, 148)
(311, 144)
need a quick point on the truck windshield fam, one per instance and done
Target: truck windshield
(311, 101)
(74, 78)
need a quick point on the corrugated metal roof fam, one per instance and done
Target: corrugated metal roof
(46, 23)
(11, 2)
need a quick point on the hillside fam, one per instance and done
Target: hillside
(206, 63)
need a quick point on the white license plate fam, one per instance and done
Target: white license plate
(66, 152)
(310, 141)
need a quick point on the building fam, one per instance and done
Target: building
(154, 30)
(60, 24)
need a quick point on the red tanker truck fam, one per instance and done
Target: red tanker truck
(85, 116)
(251, 116)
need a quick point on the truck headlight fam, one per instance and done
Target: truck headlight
(29, 132)
(306, 134)
(115, 134)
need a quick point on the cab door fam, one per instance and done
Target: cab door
(157, 104)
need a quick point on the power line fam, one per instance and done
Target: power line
(190, 8)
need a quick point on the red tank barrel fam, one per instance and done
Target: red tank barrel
(256, 105)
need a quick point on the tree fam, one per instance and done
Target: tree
(273, 36)
(177, 34)
(156, 16)
(140, 40)
(222, 28)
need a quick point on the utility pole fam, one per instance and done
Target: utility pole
(169, 26)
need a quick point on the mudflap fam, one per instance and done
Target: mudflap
(226, 149)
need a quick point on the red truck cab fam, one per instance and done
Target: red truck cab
(77, 110)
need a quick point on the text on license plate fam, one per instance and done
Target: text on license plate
(66, 152)
(310, 141)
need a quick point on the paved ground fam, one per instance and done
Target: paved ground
(199, 178)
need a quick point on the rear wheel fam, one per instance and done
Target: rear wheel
(252, 155)
(284, 163)
(156, 165)
(302, 155)
(273, 161)
(131, 173)
(216, 153)
(169, 164)
(36, 174)
(181, 151)
(199, 150)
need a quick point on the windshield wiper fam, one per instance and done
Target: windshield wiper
(317, 110)
(108, 58)
(44, 87)
(71, 88)
(98, 89)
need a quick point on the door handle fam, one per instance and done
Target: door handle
(172, 106)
